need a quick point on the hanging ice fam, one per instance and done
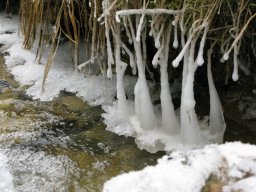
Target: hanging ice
(217, 123)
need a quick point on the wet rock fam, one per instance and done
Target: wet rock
(9, 32)
(5, 53)
(6, 101)
(213, 184)
(4, 85)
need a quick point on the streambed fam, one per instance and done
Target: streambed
(61, 145)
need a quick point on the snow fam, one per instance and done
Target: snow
(189, 171)
(6, 179)
(37, 171)
(248, 185)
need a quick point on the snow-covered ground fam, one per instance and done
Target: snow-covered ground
(181, 171)
(234, 164)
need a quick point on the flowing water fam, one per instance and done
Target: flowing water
(60, 145)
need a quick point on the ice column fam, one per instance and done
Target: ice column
(217, 122)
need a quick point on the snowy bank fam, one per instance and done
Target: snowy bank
(234, 164)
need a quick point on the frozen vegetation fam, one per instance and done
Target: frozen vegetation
(123, 117)
(47, 68)
(121, 44)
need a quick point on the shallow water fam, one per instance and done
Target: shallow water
(60, 145)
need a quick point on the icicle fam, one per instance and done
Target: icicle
(131, 57)
(175, 42)
(143, 106)
(169, 120)
(177, 60)
(200, 58)
(217, 123)
(189, 128)
(219, 10)
(235, 70)
(120, 69)
(155, 60)
(109, 72)
(225, 56)
(144, 47)
(190, 131)
(189, 101)
(157, 40)
(134, 70)
(222, 60)
(152, 31)
(127, 31)
(95, 9)
(138, 34)
(82, 65)
(109, 50)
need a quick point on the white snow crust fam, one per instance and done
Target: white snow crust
(233, 163)
(6, 179)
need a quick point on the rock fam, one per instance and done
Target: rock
(214, 184)
(4, 85)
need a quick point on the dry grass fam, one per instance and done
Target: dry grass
(77, 21)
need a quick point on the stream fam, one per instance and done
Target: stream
(61, 145)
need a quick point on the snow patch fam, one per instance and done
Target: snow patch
(189, 171)
(37, 171)
(6, 179)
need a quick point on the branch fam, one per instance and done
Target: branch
(239, 36)
(86, 63)
(146, 12)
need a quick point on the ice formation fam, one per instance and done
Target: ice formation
(217, 122)
(162, 128)
(120, 70)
